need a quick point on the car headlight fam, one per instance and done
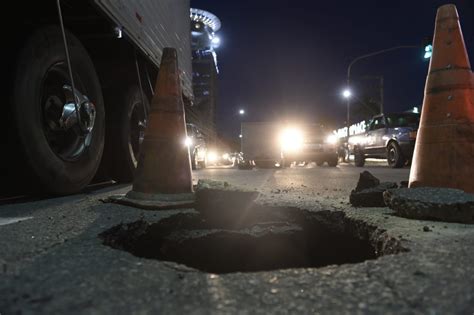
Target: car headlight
(291, 139)
(331, 139)
(188, 141)
(212, 157)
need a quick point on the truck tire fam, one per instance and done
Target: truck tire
(319, 162)
(203, 164)
(359, 157)
(61, 161)
(395, 156)
(332, 162)
(126, 131)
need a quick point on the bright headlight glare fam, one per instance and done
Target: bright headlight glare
(291, 139)
(212, 156)
(331, 139)
(188, 142)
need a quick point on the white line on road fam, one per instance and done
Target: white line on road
(6, 221)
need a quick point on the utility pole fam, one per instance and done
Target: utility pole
(381, 95)
(381, 89)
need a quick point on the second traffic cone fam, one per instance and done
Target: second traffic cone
(444, 150)
(163, 178)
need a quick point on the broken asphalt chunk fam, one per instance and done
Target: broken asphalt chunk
(426, 203)
(371, 197)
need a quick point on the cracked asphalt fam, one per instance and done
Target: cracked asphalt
(52, 261)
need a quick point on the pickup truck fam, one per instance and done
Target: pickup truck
(270, 144)
(315, 145)
(389, 136)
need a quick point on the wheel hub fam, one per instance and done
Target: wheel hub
(86, 116)
(68, 118)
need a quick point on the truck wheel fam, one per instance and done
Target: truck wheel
(126, 131)
(333, 161)
(203, 164)
(359, 157)
(62, 153)
(319, 162)
(395, 157)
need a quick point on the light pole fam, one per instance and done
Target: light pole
(375, 53)
(347, 95)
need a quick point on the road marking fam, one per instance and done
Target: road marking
(6, 221)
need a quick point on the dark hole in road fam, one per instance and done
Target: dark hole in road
(289, 239)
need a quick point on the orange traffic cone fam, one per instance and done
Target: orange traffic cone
(163, 178)
(444, 150)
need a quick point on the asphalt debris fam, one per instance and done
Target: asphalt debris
(427, 203)
(369, 191)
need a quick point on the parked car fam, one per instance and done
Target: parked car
(390, 136)
(197, 146)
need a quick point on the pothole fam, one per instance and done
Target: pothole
(272, 239)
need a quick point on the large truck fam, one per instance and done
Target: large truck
(260, 143)
(78, 80)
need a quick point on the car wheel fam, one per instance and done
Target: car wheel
(194, 163)
(359, 157)
(126, 131)
(395, 157)
(62, 152)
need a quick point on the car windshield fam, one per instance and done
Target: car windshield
(403, 120)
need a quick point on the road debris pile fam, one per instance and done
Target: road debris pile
(369, 191)
(224, 205)
(220, 239)
(426, 203)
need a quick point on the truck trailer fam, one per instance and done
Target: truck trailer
(78, 80)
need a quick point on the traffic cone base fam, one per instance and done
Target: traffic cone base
(154, 201)
(163, 178)
(444, 150)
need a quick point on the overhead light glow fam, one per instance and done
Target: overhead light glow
(428, 51)
(216, 41)
(347, 93)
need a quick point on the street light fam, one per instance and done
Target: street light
(347, 93)
(216, 41)
(242, 112)
(360, 58)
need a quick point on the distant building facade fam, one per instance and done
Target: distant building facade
(204, 40)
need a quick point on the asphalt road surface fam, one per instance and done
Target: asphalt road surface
(53, 262)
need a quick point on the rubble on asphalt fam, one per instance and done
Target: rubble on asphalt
(223, 204)
(366, 180)
(371, 197)
(426, 203)
(369, 191)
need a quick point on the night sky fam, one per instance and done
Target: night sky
(283, 58)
